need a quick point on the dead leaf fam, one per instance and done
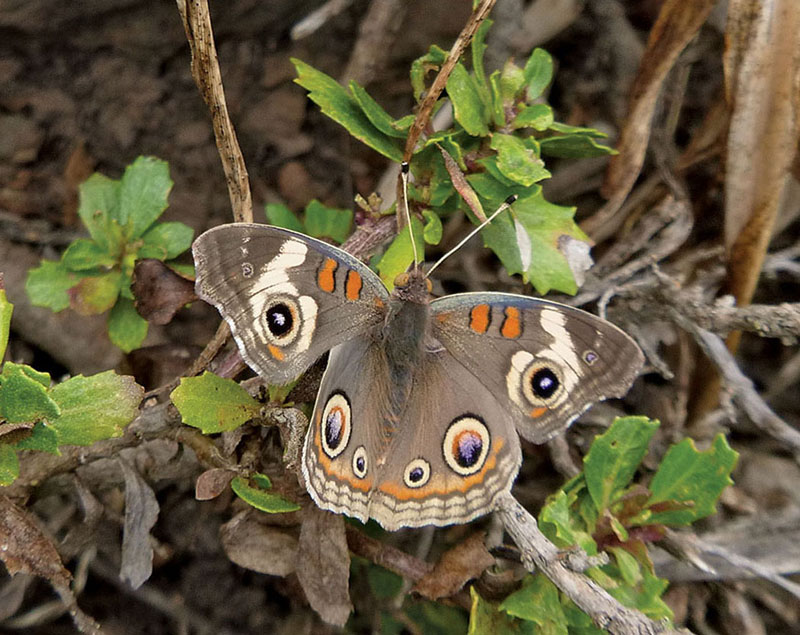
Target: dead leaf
(259, 547)
(14, 432)
(323, 564)
(212, 483)
(762, 71)
(25, 548)
(141, 512)
(677, 24)
(465, 561)
(463, 188)
(159, 291)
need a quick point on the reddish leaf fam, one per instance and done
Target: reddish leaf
(159, 291)
(212, 483)
(455, 568)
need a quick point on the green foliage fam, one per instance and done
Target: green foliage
(259, 496)
(319, 220)
(603, 508)
(213, 404)
(78, 411)
(94, 274)
(501, 131)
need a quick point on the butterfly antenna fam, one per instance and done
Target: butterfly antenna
(404, 175)
(498, 211)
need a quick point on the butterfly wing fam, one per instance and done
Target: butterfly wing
(545, 362)
(443, 459)
(288, 298)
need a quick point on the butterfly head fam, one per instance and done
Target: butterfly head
(413, 286)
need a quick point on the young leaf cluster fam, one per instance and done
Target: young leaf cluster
(94, 274)
(35, 415)
(603, 508)
(501, 131)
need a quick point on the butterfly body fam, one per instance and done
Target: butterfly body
(420, 408)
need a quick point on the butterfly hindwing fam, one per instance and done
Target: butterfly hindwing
(442, 458)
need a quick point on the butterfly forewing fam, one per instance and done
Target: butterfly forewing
(288, 298)
(547, 362)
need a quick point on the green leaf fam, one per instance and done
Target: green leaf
(511, 81)
(85, 254)
(166, 241)
(126, 328)
(433, 618)
(281, 216)
(432, 232)
(516, 161)
(38, 376)
(6, 309)
(574, 147)
(543, 224)
(47, 285)
(43, 438)
(498, 103)
(328, 222)
(538, 602)
(485, 618)
(468, 107)
(383, 583)
(9, 464)
(478, 51)
(96, 294)
(537, 116)
(628, 566)
(615, 456)
(24, 398)
(565, 128)
(143, 194)
(95, 408)
(261, 499)
(213, 404)
(400, 254)
(634, 586)
(99, 199)
(557, 523)
(336, 103)
(538, 72)
(687, 475)
(378, 117)
(420, 67)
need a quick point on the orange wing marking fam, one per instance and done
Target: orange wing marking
(479, 318)
(275, 352)
(352, 286)
(325, 278)
(512, 327)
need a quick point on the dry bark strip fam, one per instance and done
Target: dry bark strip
(762, 73)
(675, 27)
(207, 76)
(539, 553)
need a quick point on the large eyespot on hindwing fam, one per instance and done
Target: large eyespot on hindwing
(336, 426)
(417, 473)
(466, 444)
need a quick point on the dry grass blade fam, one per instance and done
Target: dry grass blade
(676, 26)
(762, 70)
(207, 76)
